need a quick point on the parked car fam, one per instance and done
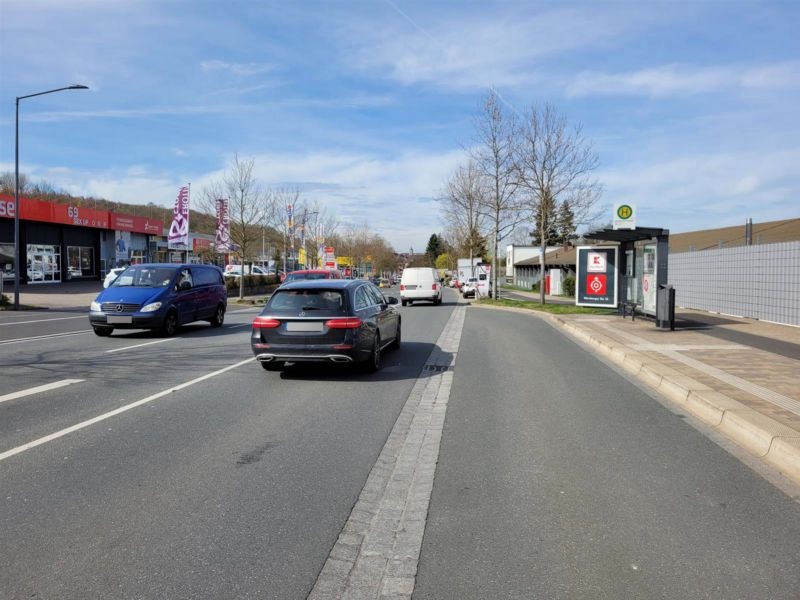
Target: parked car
(468, 289)
(236, 271)
(311, 274)
(329, 320)
(420, 283)
(112, 275)
(384, 283)
(161, 297)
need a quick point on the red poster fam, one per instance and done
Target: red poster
(595, 285)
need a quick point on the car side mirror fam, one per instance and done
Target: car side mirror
(184, 285)
(391, 300)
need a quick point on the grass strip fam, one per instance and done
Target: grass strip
(554, 309)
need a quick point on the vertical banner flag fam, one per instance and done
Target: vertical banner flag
(178, 237)
(223, 241)
(290, 219)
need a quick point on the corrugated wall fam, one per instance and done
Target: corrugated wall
(761, 282)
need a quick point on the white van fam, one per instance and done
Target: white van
(420, 283)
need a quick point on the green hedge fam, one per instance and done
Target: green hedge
(569, 286)
(4, 300)
(253, 284)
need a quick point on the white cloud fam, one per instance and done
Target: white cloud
(709, 190)
(685, 80)
(479, 51)
(243, 69)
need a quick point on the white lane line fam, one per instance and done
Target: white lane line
(116, 411)
(44, 337)
(42, 320)
(39, 388)
(140, 345)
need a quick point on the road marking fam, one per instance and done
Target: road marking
(140, 345)
(117, 411)
(43, 337)
(39, 388)
(377, 552)
(42, 320)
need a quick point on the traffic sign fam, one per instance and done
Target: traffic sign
(624, 216)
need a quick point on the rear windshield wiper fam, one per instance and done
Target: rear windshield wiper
(310, 308)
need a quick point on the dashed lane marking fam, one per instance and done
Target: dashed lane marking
(39, 388)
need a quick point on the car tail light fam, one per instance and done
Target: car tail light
(265, 323)
(346, 323)
(402, 287)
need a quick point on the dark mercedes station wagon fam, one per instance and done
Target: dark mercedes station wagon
(331, 320)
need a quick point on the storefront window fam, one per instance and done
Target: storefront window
(7, 260)
(44, 263)
(137, 257)
(80, 262)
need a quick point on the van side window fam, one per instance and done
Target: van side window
(186, 275)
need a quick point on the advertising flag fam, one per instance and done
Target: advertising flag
(290, 219)
(178, 238)
(223, 241)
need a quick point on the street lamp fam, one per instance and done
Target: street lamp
(16, 186)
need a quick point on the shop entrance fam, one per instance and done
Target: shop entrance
(44, 263)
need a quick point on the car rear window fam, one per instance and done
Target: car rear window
(307, 300)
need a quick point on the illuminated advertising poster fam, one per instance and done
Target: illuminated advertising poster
(596, 280)
(649, 279)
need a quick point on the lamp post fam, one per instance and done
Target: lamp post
(17, 264)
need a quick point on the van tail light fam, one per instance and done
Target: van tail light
(402, 287)
(346, 323)
(265, 323)
(434, 287)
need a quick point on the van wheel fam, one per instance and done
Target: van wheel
(103, 331)
(170, 325)
(404, 302)
(219, 316)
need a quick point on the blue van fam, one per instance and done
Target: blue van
(160, 297)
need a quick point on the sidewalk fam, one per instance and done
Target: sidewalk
(740, 376)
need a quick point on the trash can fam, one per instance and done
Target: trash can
(665, 306)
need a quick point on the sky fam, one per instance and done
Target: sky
(368, 106)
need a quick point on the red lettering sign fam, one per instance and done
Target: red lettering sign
(7, 208)
(595, 285)
(201, 244)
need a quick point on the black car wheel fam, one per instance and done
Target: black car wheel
(374, 361)
(170, 325)
(273, 366)
(103, 331)
(397, 338)
(219, 316)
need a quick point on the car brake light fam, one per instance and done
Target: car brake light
(265, 323)
(346, 323)
(402, 287)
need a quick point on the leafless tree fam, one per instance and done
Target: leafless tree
(249, 205)
(462, 205)
(555, 164)
(320, 224)
(283, 198)
(494, 156)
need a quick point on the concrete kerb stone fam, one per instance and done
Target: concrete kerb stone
(759, 434)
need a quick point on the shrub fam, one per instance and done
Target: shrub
(569, 286)
(4, 300)
(535, 287)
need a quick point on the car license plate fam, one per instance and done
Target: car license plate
(315, 326)
(119, 320)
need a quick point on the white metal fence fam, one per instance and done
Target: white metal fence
(761, 282)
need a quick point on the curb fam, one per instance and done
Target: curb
(760, 435)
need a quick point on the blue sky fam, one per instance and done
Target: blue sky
(368, 105)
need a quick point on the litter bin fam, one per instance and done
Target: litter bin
(665, 306)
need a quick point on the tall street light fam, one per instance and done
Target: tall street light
(16, 186)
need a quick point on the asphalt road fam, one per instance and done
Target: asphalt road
(557, 477)
(234, 487)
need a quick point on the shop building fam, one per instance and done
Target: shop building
(61, 242)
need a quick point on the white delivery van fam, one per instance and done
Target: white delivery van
(484, 283)
(420, 283)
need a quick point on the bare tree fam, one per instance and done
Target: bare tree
(462, 209)
(555, 164)
(494, 156)
(283, 198)
(249, 206)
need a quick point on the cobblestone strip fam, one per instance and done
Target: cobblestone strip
(378, 549)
